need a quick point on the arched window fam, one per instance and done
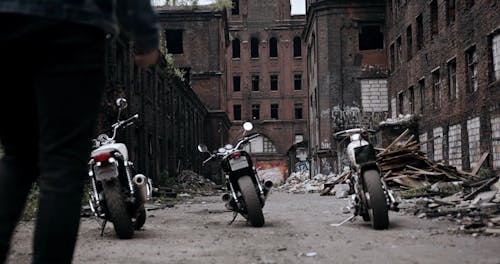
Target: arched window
(254, 46)
(273, 48)
(236, 48)
(297, 47)
(261, 144)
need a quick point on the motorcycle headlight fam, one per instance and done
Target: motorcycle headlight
(221, 150)
(229, 146)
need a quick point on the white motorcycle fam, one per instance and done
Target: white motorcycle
(117, 194)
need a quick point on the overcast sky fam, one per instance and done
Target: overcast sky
(298, 6)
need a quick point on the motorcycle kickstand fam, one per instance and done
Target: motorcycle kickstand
(350, 218)
(235, 214)
(103, 225)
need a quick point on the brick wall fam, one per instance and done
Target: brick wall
(374, 95)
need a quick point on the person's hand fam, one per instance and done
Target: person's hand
(147, 59)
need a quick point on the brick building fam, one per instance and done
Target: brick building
(444, 58)
(266, 84)
(347, 74)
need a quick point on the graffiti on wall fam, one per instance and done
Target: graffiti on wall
(349, 116)
(325, 166)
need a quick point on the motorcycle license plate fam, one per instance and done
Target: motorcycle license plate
(105, 172)
(238, 163)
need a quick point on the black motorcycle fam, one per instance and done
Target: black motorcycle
(372, 199)
(117, 194)
(247, 193)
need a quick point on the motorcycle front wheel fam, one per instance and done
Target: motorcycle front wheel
(252, 202)
(122, 223)
(375, 196)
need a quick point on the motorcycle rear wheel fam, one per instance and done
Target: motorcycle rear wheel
(140, 219)
(377, 205)
(122, 223)
(252, 202)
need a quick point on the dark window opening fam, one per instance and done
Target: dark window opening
(255, 111)
(436, 89)
(255, 82)
(297, 47)
(371, 37)
(409, 43)
(237, 112)
(434, 18)
(274, 111)
(254, 52)
(401, 103)
(298, 111)
(393, 58)
(236, 83)
(450, 11)
(411, 100)
(399, 52)
(469, 3)
(236, 48)
(174, 41)
(420, 32)
(235, 7)
(297, 82)
(421, 85)
(274, 82)
(471, 70)
(273, 48)
(452, 79)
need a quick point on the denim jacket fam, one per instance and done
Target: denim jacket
(135, 17)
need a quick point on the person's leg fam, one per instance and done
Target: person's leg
(18, 128)
(68, 94)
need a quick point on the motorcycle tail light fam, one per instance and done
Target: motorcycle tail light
(235, 155)
(103, 156)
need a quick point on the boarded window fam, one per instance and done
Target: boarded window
(273, 48)
(371, 37)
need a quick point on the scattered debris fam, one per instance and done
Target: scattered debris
(299, 182)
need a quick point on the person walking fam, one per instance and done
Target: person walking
(52, 55)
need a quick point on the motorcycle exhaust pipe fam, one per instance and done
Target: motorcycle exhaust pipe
(140, 182)
(267, 187)
(226, 197)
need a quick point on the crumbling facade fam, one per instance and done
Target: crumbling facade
(347, 74)
(444, 58)
(266, 71)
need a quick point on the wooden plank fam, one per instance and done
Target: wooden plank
(395, 141)
(480, 163)
(480, 188)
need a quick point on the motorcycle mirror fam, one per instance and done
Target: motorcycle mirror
(247, 126)
(202, 148)
(121, 103)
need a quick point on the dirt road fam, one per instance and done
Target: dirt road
(298, 230)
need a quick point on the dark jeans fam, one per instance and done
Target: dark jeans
(52, 77)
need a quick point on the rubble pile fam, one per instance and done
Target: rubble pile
(299, 182)
(194, 184)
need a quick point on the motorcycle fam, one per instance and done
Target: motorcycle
(117, 194)
(372, 199)
(247, 193)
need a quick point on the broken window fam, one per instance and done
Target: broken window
(421, 86)
(237, 112)
(393, 58)
(274, 82)
(297, 82)
(274, 111)
(298, 111)
(235, 7)
(450, 11)
(236, 48)
(471, 59)
(452, 79)
(409, 43)
(255, 82)
(255, 111)
(371, 37)
(297, 47)
(411, 99)
(436, 89)
(254, 46)
(236, 83)
(268, 145)
(420, 32)
(174, 41)
(273, 48)
(495, 54)
(434, 18)
(399, 53)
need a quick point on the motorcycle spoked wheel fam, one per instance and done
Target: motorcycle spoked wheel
(376, 200)
(122, 223)
(251, 200)
(140, 219)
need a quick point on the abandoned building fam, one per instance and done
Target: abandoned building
(347, 74)
(444, 68)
